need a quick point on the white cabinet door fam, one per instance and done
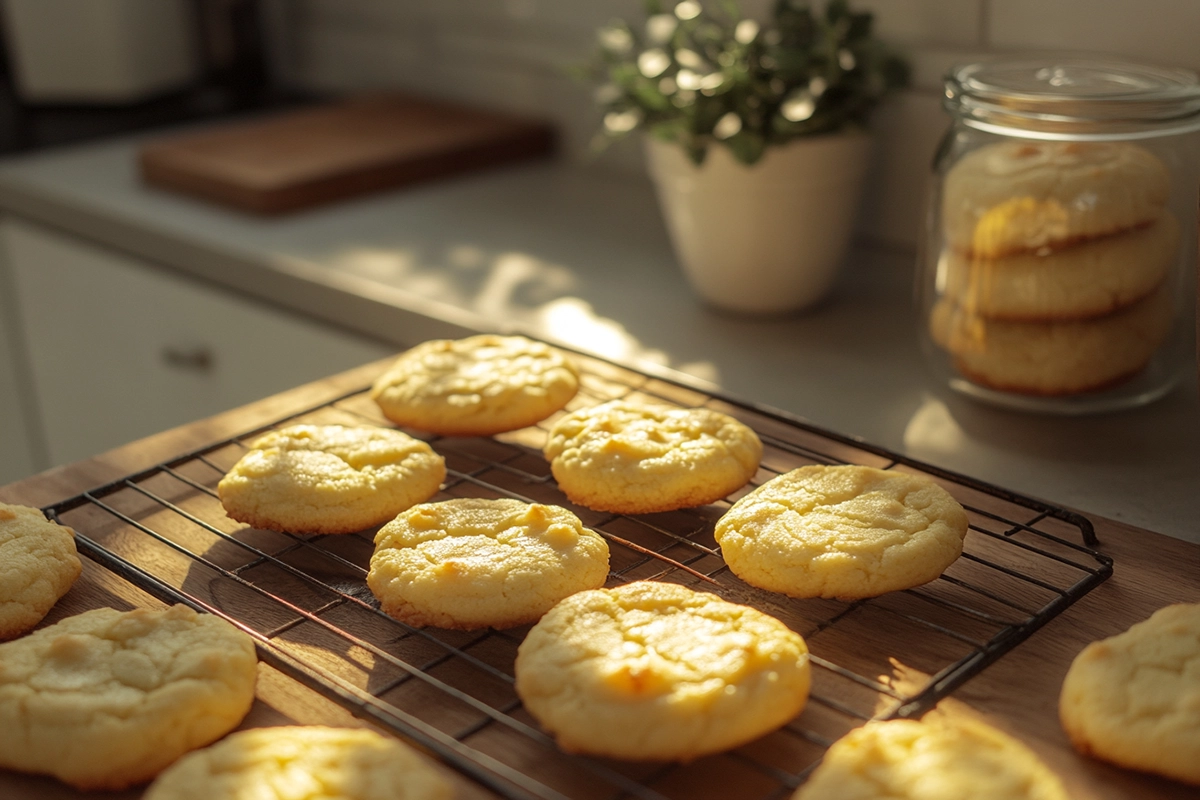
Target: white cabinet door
(17, 432)
(120, 349)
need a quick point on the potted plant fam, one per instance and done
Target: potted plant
(757, 139)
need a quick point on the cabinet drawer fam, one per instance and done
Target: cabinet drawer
(17, 448)
(121, 349)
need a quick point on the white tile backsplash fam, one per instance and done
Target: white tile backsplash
(512, 54)
(907, 130)
(340, 59)
(954, 23)
(400, 18)
(534, 46)
(928, 66)
(1160, 31)
(583, 15)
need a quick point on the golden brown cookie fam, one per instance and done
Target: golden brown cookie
(38, 564)
(1134, 699)
(107, 699)
(637, 459)
(934, 759)
(302, 763)
(1020, 196)
(1053, 358)
(478, 386)
(330, 478)
(1091, 279)
(845, 532)
(655, 671)
(476, 563)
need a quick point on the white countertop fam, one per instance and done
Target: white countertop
(582, 259)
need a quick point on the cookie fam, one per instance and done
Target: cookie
(477, 563)
(845, 532)
(638, 459)
(478, 386)
(1053, 358)
(38, 564)
(330, 478)
(938, 759)
(1090, 279)
(655, 671)
(1021, 196)
(1134, 699)
(107, 699)
(302, 763)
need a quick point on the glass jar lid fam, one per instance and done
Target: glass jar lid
(1074, 97)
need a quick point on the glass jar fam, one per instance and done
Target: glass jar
(1056, 268)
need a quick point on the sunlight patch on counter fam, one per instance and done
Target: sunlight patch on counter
(572, 321)
(466, 256)
(932, 430)
(704, 370)
(512, 289)
(506, 286)
(379, 264)
(516, 282)
(396, 267)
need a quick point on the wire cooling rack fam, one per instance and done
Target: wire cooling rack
(305, 600)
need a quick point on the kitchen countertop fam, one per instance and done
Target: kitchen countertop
(581, 258)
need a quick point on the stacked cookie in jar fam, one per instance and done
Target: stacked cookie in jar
(1060, 247)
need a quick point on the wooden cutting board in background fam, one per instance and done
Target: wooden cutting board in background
(316, 155)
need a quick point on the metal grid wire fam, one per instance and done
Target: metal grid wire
(305, 600)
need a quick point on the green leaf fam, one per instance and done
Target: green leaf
(791, 65)
(790, 6)
(796, 25)
(625, 75)
(859, 27)
(747, 147)
(895, 72)
(752, 78)
(836, 11)
(647, 94)
(670, 131)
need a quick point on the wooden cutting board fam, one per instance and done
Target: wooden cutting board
(317, 155)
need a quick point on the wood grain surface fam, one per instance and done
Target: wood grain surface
(308, 157)
(1017, 694)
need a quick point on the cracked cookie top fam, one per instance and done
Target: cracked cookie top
(475, 563)
(1020, 196)
(842, 531)
(107, 699)
(636, 459)
(478, 386)
(1134, 699)
(657, 671)
(302, 763)
(38, 564)
(330, 478)
(930, 759)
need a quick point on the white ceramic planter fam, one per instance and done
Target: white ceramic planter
(767, 238)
